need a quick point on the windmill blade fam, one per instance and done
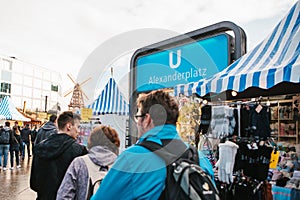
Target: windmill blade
(85, 95)
(68, 93)
(85, 81)
(71, 79)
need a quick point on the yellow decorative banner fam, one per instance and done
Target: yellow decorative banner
(42, 115)
(86, 114)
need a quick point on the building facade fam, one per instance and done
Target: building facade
(31, 87)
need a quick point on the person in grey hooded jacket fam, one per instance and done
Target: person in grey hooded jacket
(48, 129)
(103, 145)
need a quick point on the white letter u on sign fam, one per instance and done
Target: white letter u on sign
(171, 64)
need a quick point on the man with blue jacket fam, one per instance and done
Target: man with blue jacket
(139, 173)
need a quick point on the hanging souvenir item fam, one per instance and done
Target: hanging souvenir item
(274, 159)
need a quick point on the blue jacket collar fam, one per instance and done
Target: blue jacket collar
(167, 131)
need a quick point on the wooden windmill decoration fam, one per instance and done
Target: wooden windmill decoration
(77, 100)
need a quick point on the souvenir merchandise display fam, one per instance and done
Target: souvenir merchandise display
(285, 119)
(238, 137)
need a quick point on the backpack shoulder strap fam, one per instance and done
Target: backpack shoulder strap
(95, 171)
(194, 154)
(170, 150)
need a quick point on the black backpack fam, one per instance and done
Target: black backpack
(185, 178)
(4, 136)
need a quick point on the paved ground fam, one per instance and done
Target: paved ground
(14, 184)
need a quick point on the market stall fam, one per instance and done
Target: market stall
(275, 60)
(266, 82)
(271, 68)
(110, 101)
(9, 111)
(112, 109)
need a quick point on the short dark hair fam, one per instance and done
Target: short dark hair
(66, 117)
(53, 118)
(7, 123)
(162, 107)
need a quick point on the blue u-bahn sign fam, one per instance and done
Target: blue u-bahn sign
(181, 64)
(183, 59)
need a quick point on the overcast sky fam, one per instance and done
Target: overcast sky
(62, 34)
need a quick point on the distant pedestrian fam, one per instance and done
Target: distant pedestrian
(15, 147)
(25, 134)
(53, 156)
(21, 143)
(48, 129)
(17, 125)
(33, 136)
(5, 138)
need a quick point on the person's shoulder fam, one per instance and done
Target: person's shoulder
(80, 147)
(136, 148)
(77, 145)
(24, 130)
(78, 162)
(50, 131)
(7, 129)
(138, 159)
(40, 130)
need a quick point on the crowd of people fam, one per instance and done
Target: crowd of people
(15, 141)
(61, 167)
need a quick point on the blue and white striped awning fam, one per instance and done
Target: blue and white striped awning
(9, 112)
(275, 60)
(110, 101)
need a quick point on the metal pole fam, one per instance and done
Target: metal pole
(46, 98)
(239, 118)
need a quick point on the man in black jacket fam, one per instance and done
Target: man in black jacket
(53, 156)
(25, 133)
(33, 136)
